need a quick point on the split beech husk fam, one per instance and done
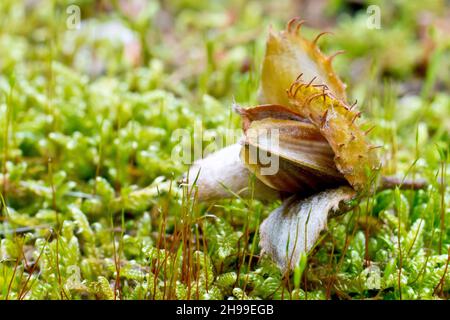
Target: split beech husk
(324, 158)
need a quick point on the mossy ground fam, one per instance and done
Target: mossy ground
(90, 204)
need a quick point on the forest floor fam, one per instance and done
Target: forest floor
(90, 205)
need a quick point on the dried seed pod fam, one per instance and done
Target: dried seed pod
(295, 65)
(318, 147)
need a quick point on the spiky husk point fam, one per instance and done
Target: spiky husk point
(289, 54)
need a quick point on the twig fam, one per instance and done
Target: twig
(23, 229)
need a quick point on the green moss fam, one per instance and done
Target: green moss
(91, 205)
